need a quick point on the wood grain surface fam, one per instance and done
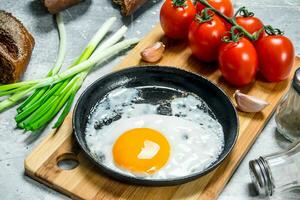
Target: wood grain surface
(87, 182)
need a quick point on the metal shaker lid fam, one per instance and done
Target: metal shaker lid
(260, 177)
(296, 80)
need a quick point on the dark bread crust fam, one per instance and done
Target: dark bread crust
(129, 6)
(16, 45)
(55, 6)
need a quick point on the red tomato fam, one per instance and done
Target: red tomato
(250, 24)
(276, 57)
(205, 38)
(238, 62)
(224, 6)
(175, 20)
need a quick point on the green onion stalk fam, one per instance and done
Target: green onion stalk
(86, 53)
(69, 97)
(59, 62)
(31, 109)
(59, 89)
(57, 66)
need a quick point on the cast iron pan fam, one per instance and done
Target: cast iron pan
(170, 81)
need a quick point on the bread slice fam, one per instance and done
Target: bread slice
(55, 6)
(16, 45)
(129, 6)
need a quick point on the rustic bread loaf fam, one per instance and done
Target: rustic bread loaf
(55, 6)
(129, 6)
(16, 45)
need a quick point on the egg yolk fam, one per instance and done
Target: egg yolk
(141, 150)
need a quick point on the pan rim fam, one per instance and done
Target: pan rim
(154, 182)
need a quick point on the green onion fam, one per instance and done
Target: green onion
(59, 62)
(62, 45)
(58, 90)
(112, 40)
(58, 102)
(88, 50)
(24, 90)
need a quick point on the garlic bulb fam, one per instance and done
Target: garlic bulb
(249, 103)
(153, 53)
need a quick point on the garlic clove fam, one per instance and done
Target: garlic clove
(153, 53)
(247, 103)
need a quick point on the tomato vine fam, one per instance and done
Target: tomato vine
(232, 21)
(204, 16)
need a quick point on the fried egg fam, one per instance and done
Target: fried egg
(164, 139)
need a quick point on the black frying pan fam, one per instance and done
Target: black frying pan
(174, 81)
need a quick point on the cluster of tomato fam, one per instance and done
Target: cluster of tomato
(240, 42)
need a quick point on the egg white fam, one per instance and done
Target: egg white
(195, 137)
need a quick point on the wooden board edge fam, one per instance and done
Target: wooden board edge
(58, 189)
(28, 165)
(57, 137)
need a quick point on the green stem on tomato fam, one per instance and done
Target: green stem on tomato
(273, 31)
(234, 37)
(242, 11)
(229, 20)
(204, 16)
(179, 3)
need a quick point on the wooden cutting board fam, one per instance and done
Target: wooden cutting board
(87, 182)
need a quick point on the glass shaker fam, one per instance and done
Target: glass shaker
(276, 173)
(287, 115)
